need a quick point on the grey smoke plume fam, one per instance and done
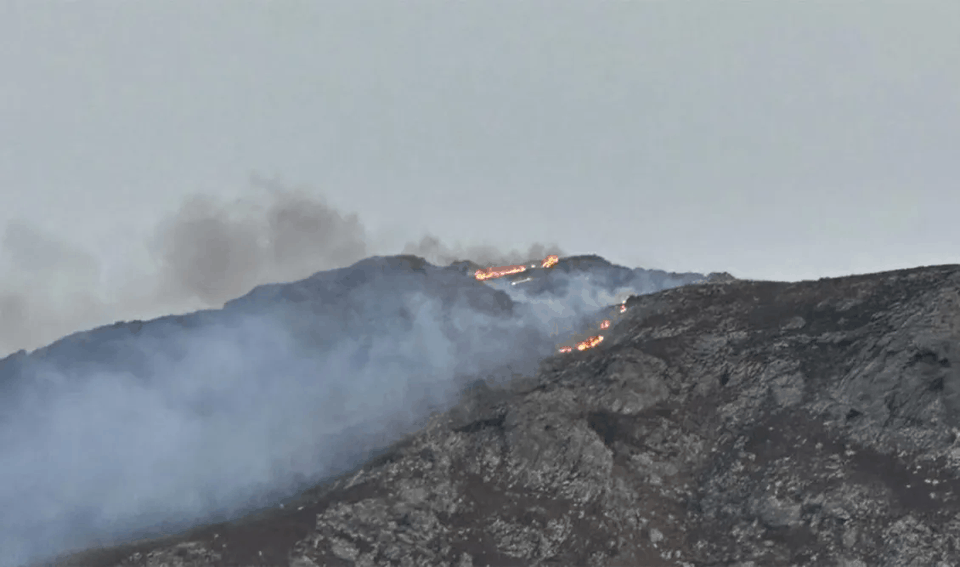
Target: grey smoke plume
(215, 251)
(434, 251)
(141, 428)
(47, 288)
(137, 429)
(206, 253)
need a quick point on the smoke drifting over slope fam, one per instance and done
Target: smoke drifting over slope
(204, 254)
(143, 427)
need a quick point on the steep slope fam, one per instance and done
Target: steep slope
(745, 423)
(144, 428)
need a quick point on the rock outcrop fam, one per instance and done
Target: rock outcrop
(741, 423)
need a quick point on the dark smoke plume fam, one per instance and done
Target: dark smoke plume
(205, 254)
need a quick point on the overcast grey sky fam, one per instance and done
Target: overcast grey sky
(780, 140)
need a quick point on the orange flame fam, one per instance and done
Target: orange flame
(548, 262)
(500, 271)
(594, 340)
(590, 343)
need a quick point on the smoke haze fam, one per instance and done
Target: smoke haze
(207, 252)
(141, 428)
(436, 252)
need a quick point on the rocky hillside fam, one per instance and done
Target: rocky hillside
(742, 423)
(145, 428)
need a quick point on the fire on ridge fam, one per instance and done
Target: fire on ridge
(500, 271)
(548, 262)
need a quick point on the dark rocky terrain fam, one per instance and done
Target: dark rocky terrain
(738, 424)
(145, 428)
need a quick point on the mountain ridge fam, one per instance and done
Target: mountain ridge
(749, 423)
(286, 385)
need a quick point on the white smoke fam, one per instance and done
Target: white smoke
(142, 428)
(206, 253)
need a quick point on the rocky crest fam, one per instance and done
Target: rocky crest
(741, 423)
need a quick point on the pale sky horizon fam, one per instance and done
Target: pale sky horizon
(771, 140)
